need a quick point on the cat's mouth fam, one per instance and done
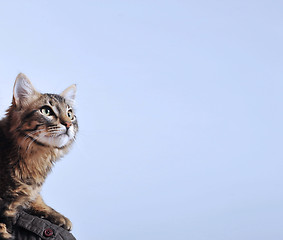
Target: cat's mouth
(58, 139)
(67, 132)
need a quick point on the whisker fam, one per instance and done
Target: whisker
(33, 140)
(53, 128)
(82, 150)
(26, 137)
(33, 132)
(56, 133)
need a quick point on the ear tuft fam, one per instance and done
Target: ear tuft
(70, 94)
(24, 92)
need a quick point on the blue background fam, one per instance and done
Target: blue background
(180, 112)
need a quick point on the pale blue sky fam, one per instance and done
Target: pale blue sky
(180, 112)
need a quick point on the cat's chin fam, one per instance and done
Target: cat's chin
(56, 142)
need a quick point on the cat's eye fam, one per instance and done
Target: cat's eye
(70, 114)
(47, 111)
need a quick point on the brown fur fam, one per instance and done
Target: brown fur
(30, 143)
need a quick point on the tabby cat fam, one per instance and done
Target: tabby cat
(37, 130)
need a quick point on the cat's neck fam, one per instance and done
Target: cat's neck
(30, 161)
(36, 160)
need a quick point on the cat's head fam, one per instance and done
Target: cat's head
(42, 119)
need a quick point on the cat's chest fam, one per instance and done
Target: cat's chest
(27, 193)
(34, 167)
(34, 192)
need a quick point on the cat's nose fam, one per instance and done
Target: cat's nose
(67, 124)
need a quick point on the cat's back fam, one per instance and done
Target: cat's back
(6, 147)
(5, 142)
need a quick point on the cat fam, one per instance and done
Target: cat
(37, 130)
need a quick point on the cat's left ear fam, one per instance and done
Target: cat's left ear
(70, 94)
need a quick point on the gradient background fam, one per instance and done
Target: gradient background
(180, 112)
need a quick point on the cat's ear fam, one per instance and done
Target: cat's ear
(24, 92)
(70, 94)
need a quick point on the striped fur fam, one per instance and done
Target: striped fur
(37, 130)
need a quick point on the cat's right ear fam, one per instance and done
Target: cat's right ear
(24, 92)
(70, 93)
